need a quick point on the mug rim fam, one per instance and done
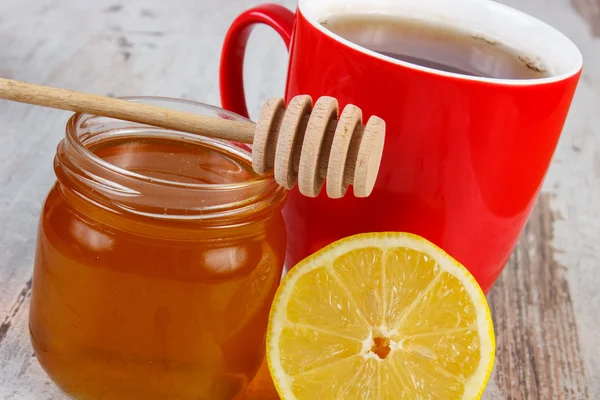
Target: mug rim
(306, 10)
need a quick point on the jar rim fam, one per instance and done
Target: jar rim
(115, 187)
(76, 142)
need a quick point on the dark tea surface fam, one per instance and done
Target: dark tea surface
(436, 46)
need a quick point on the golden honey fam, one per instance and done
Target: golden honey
(158, 257)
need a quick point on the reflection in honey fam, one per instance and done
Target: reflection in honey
(262, 387)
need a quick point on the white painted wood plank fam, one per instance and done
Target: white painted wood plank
(574, 180)
(119, 48)
(153, 47)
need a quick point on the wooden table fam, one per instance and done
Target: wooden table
(546, 304)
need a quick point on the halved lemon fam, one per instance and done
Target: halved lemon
(380, 316)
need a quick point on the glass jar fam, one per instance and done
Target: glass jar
(158, 257)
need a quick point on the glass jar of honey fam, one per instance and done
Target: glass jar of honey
(158, 257)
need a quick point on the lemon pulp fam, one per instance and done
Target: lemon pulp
(380, 316)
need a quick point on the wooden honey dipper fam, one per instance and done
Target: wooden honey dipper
(303, 144)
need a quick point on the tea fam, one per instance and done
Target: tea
(436, 46)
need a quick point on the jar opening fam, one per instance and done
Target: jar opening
(134, 168)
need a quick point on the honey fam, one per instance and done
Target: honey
(158, 256)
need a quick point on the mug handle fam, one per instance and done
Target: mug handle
(231, 73)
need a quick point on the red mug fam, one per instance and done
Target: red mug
(465, 156)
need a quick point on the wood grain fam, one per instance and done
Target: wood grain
(18, 307)
(547, 322)
(590, 12)
(539, 355)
